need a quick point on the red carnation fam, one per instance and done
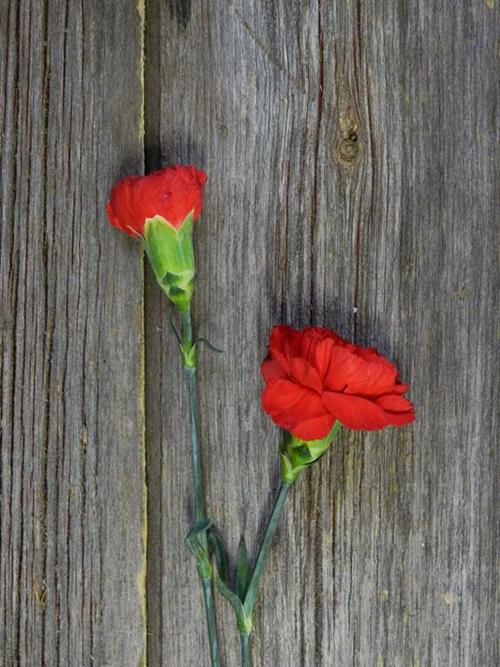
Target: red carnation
(313, 378)
(172, 193)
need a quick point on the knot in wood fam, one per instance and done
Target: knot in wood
(348, 145)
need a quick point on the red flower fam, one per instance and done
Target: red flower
(313, 378)
(171, 193)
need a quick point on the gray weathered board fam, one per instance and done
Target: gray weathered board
(353, 162)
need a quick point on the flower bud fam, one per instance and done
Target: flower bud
(297, 454)
(170, 253)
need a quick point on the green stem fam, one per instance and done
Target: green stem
(211, 622)
(245, 649)
(199, 496)
(258, 570)
(199, 499)
(264, 547)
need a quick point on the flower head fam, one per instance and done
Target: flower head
(171, 193)
(314, 378)
(161, 208)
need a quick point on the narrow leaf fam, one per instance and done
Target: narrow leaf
(210, 346)
(243, 571)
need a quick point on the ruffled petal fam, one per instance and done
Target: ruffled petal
(322, 357)
(400, 418)
(305, 374)
(280, 395)
(343, 368)
(282, 360)
(399, 410)
(372, 379)
(355, 412)
(282, 346)
(310, 339)
(314, 429)
(394, 403)
(289, 403)
(281, 339)
(172, 193)
(271, 370)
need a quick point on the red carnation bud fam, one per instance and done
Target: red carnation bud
(161, 207)
(315, 378)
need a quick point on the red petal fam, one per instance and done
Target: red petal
(401, 388)
(281, 339)
(394, 403)
(280, 395)
(271, 371)
(344, 368)
(305, 374)
(322, 356)
(373, 378)
(289, 403)
(172, 193)
(400, 418)
(314, 429)
(282, 360)
(311, 338)
(355, 412)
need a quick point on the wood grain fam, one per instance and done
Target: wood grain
(351, 156)
(72, 457)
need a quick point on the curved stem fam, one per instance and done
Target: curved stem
(199, 496)
(264, 547)
(245, 649)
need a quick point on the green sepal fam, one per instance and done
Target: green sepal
(243, 620)
(189, 351)
(297, 454)
(189, 355)
(171, 255)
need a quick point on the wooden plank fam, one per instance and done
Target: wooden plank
(351, 153)
(72, 469)
(416, 543)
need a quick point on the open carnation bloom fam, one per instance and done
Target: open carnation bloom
(313, 378)
(171, 193)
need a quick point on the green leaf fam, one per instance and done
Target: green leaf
(209, 345)
(243, 571)
(243, 620)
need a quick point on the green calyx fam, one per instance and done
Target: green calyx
(297, 454)
(170, 253)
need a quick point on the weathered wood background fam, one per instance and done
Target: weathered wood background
(352, 153)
